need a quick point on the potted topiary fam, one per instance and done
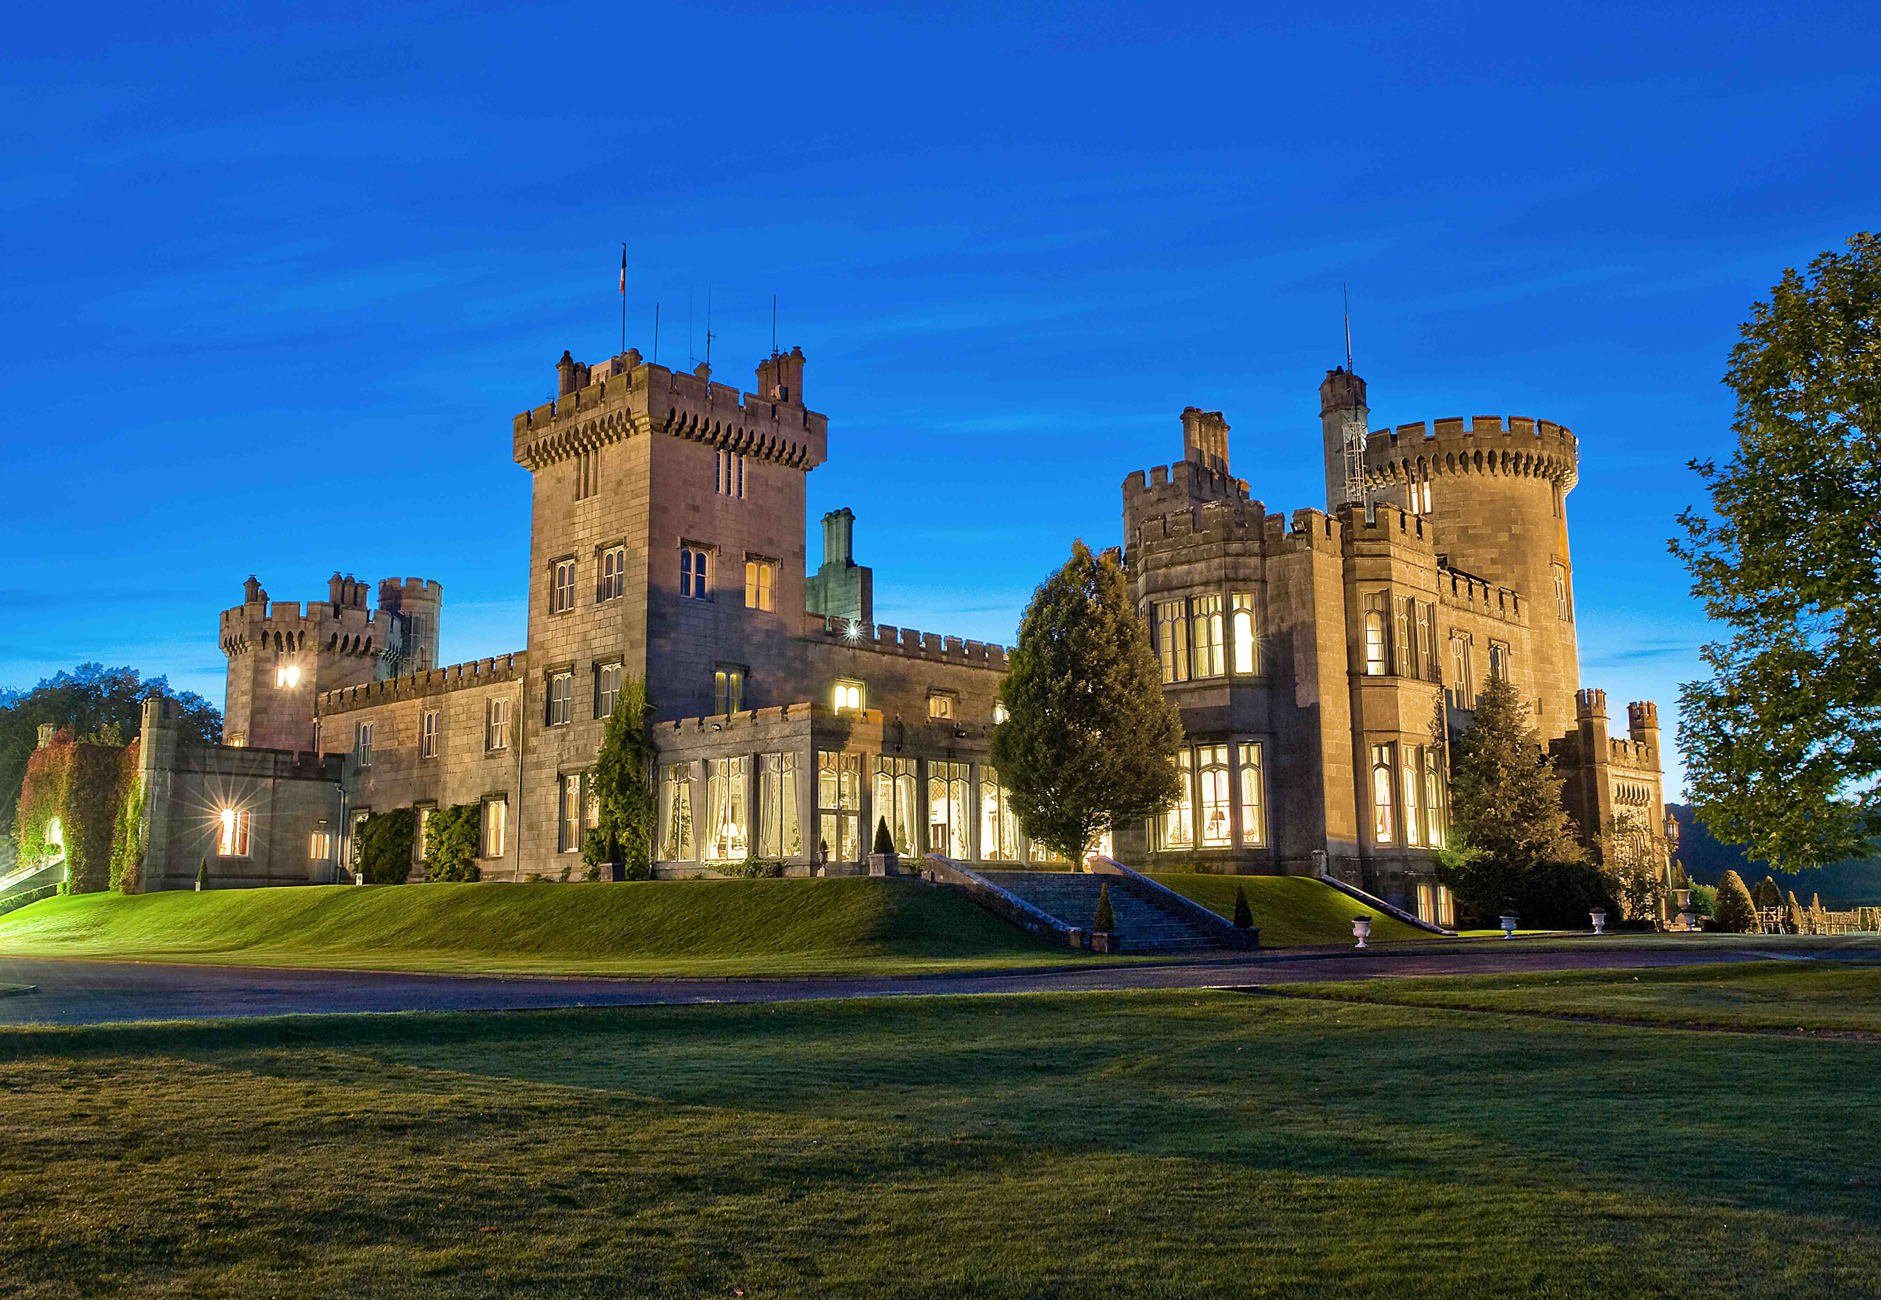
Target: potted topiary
(1243, 914)
(883, 860)
(1104, 936)
(202, 874)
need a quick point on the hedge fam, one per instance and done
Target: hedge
(384, 846)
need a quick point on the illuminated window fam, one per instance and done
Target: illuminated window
(496, 724)
(232, 839)
(692, 578)
(1205, 624)
(839, 806)
(428, 734)
(760, 584)
(999, 825)
(1411, 783)
(676, 814)
(1211, 771)
(613, 574)
(1169, 618)
(1499, 661)
(727, 817)
(362, 743)
(495, 826)
(729, 470)
(728, 688)
(1462, 675)
(287, 676)
(320, 845)
(848, 695)
(1382, 780)
(1429, 658)
(561, 699)
(1244, 629)
(569, 841)
(424, 828)
(607, 679)
(562, 587)
(1435, 831)
(949, 810)
(1253, 795)
(1177, 828)
(940, 704)
(896, 801)
(1377, 636)
(1406, 642)
(778, 833)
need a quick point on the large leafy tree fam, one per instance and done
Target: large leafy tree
(90, 700)
(1089, 737)
(1782, 740)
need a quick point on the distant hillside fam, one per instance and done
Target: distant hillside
(1841, 884)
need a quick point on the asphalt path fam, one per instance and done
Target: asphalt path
(73, 992)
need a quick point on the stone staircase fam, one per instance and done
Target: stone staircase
(1071, 897)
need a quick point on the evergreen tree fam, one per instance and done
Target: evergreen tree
(1105, 921)
(1783, 738)
(622, 782)
(1769, 894)
(1794, 922)
(1243, 914)
(1735, 911)
(884, 844)
(1089, 739)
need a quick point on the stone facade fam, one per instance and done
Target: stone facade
(1321, 662)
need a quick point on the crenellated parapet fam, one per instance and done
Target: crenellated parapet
(627, 396)
(1461, 590)
(1485, 444)
(1172, 487)
(341, 625)
(1389, 525)
(907, 642)
(471, 674)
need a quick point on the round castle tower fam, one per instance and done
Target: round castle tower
(1495, 492)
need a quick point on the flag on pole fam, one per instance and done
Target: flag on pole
(623, 270)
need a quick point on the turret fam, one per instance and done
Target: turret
(417, 606)
(1205, 438)
(1642, 723)
(1342, 408)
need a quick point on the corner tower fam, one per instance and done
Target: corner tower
(283, 655)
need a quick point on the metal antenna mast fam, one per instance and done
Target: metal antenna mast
(1352, 442)
(708, 325)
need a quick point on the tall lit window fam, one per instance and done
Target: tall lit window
(362, 743)
(897, 801)
(1253, 787)
(607, 680)
(232, 839)
(1499, 661)
(1383, 823)
(779, 834)
(1563, 609)
(1377, 636)
(727, 810)
(613, 574)
(941, 704)
(320, 845)
(1411, 783)
(1244, 630)
(1205, 621)
(1177, 829)
(839, 806)
(1462, 675)
(692, 575)
(1170, 619)
(561, 699)
(847, 695)
(676, 814)
(760, 584)
(949, 810)
(999, 827)
(1211, 771)
(1420, 491)
(1435, 831)
(730, 472)
(562, 589)
(424, 811)
(287, 676)
(569, 840)
(495, 826)
(496, 724)
(728, 688)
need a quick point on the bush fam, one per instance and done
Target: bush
(384, 848)
(1769, 895)
(1243, 914)
(1735, 911)
(884, 842)
(1705, 899)
(1547, 896)
(202, 873)
(750, 869)
(451, 836)
(1794, 922)
(597, 852)
(1105, 922)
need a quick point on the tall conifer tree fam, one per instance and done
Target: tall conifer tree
(1089, 738)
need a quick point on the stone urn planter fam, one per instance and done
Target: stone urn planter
(884, 864)
(1106, 941)
(1361, 929)
(1599, 917)
(1509, 920)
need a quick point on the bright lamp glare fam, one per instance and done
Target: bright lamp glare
(287, 675)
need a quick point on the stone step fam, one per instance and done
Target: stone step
(1072, 899)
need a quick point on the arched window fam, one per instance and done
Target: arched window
(1244, 627)
(1382, 832)
(1377, 636)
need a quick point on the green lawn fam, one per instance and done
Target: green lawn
(1290, 910)
(688, 927)
(1810, 995)
(1160, 1144)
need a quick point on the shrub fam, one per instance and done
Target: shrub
(1105, 922)
(884, 842)
(384, 847)
(1243, 914)
(1769, 896)
(1794, 922)
(451, 836)
(1735, 911)
(751, 869)
(1705, 899)
(597, 852)
(202, 872)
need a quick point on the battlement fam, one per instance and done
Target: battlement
(431, 681)
(1386, 523)
(1642, 715)
(394, 591)
(1521, 446)
(741, 720)
(907, 641)
(1234, 519)
(626, 395)
(1459, 588)
(1590, 703)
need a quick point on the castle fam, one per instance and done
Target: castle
(1320, 662)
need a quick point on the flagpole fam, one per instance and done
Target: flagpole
(623, 298)
(656, 334)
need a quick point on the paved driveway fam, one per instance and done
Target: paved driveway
(92, 992)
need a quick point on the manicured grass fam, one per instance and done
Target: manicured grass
(1291, 911)
(689, 927)
(1810, 995)
(1141, 1144)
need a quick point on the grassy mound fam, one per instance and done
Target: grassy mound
(690, 927)
(1291, 911)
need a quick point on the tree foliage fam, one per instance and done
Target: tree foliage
(1089, 738)
(451, 838)
(87, 701)
(622, 782)
(1783, 738)
(385, 843)
(1735, 911)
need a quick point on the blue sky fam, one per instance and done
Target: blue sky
(278, 277)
